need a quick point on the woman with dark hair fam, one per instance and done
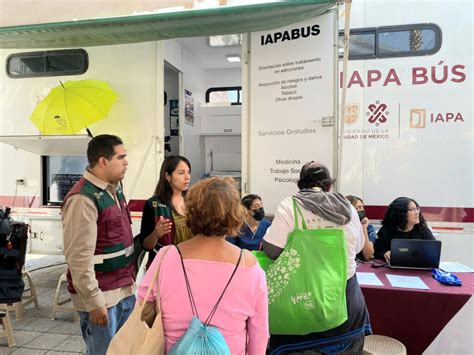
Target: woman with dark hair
(301, 217)
(403, 220)
(164, 214)
(254, 228)
(193, 275)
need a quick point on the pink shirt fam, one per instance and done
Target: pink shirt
(243, 309)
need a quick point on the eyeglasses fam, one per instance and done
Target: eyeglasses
(414, 209)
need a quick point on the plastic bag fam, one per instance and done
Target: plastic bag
(446, 278)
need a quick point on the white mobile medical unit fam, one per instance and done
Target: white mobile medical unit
(407, 127)
(149, 53)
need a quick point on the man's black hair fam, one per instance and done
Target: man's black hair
(102, 146)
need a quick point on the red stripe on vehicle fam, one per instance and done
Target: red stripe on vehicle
(20, 201)
(447, 228)
(431, 214)
(136, 205)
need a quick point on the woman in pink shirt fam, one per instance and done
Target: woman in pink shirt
(214, 211)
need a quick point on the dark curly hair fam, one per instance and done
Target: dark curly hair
(396, 214)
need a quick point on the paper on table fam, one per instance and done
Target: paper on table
(407, 282)
(451, 266)
(368, 278)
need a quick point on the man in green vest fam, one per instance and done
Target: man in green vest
(98, 244)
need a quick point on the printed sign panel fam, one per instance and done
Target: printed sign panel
(188, 108)
(292, 84)
(409, 132)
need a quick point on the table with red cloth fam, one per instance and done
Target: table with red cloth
(413, 316)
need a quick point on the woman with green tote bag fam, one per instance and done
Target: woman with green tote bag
(315, 303)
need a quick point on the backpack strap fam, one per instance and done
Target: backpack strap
(152, 283)
(190, 293)
(209, 318)
(296, 212)
(188, 286)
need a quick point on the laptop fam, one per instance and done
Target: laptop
(415, 254)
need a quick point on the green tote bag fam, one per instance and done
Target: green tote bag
(307, 282)
(263, 260)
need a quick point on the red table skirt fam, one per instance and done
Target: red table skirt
(414, 317)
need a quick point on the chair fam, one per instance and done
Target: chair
(379, 344)
(19, 307)
(58, 305)
(7, 326)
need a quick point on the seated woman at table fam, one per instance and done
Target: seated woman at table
(403, 220)
(367, 252)
(254, 228)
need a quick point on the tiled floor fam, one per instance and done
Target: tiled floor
(36, 333)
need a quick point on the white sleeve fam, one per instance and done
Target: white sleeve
(282, 224)
(355, 231)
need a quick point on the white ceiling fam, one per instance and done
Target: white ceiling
(206, 56)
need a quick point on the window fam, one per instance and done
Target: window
(232, 94)
(409, 42)
(47, 63)
(393, 41)
(361, 45)
(60, 173)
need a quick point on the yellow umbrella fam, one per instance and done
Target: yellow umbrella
(73, 106)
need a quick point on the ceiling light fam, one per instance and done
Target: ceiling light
(225, 40)
(233, 58)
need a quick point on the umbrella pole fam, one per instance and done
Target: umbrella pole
(89, 133)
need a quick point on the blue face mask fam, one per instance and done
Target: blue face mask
(259, 213)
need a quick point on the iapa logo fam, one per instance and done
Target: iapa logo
(417, 118)
(377, 113)
(446, 117)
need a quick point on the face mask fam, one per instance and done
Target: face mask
(361, 214)
(258, 214)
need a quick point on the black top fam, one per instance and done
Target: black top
(148, 221)
(386, 234)
(152, 210)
